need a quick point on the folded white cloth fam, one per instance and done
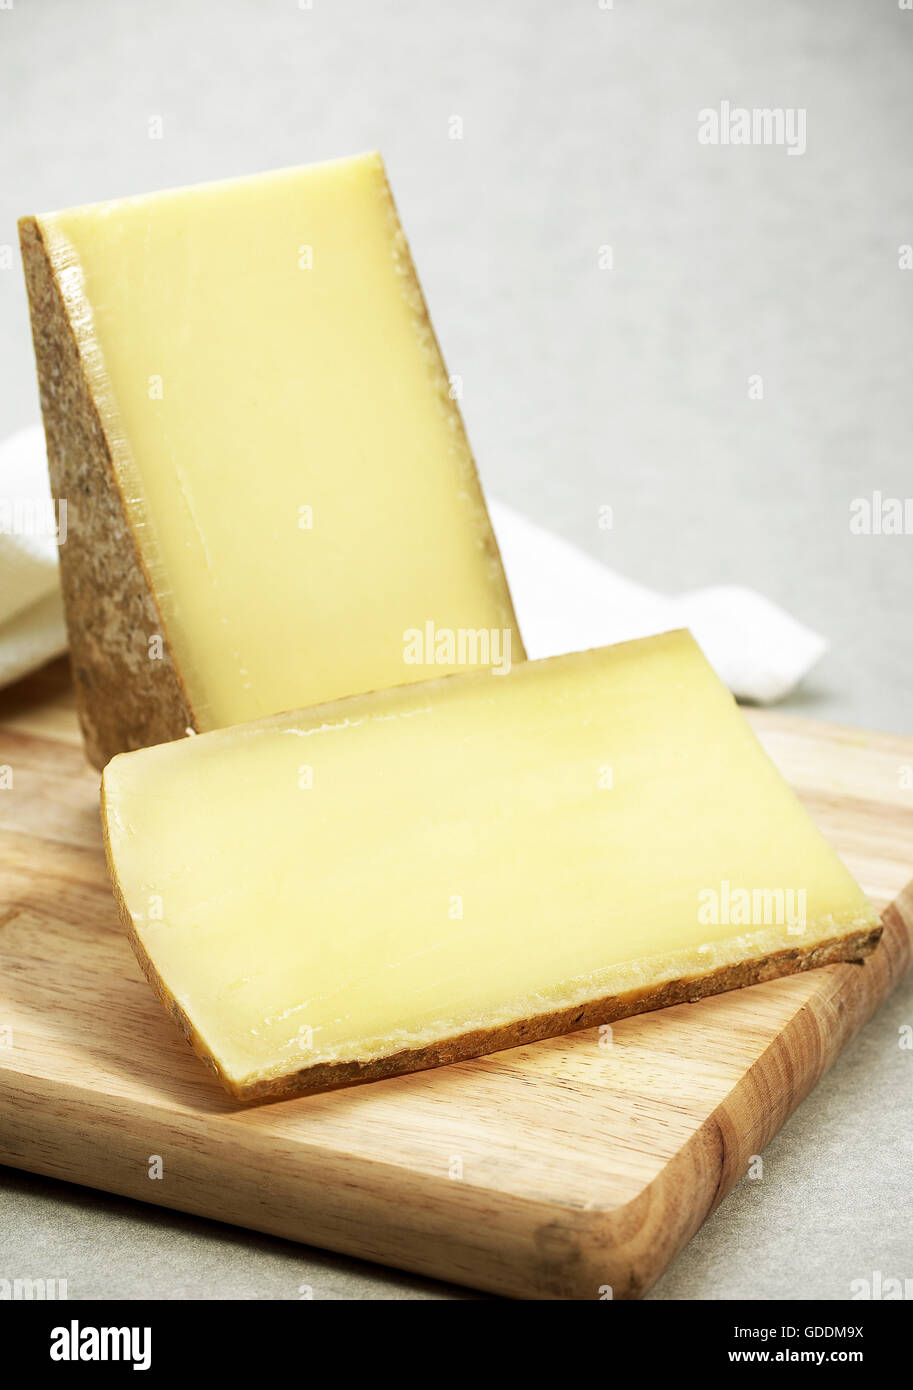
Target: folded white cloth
(32, 628)
(565, 600)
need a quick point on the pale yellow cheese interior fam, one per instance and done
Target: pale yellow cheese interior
(408, 866)
(294, 468)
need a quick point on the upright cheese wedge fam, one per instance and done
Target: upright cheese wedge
(425, 874)
(268, 481)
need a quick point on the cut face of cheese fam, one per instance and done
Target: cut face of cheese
(428, 873)
(268, 481)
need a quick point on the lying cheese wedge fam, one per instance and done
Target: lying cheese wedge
(267, 477)
(424, 874)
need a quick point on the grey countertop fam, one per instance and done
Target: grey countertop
(582, 386)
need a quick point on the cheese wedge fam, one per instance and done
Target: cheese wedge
(419, 875)
(268, 481)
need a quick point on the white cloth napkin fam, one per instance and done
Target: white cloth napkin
(565, 600)
(32, 628)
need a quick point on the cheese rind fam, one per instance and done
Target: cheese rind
(268, 479)
(410, 877)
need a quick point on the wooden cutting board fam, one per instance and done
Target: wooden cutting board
(556, 1170)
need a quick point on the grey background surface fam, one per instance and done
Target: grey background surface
(583, 386)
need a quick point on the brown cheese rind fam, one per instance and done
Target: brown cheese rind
(853, 947)
(125, 698)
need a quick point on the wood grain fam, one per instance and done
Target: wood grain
(549, 1171)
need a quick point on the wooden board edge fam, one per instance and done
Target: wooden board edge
(772, 720)
(713, 1160)
(430, 1225)
(372, 1210)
